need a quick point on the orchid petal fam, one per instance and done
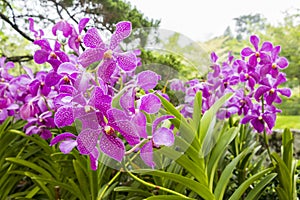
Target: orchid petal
(260, 91)
(147, 80)
(106, 70)
(41, 56)
(67, 146)
(92, 39)
(150, 103)
(90, 56)
(64, 116)
(127, 101)
(126, 61)
(82, 23)
(61, 137)
(123, 30)
(87, 140)
(163, 136)
(254, 41)
(140, 121)
(112, 146)
(247, 52)
(147, 154)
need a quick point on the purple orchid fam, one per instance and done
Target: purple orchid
(270, 90)
(160, 136)
(46, 54)
(37, 34)
(111, 54)
(258, 55)
(76, 38)
(258, 119)
(62, 26)
(40, 124)
(275, 63)
(4, 67)
(148, 103)
(147, 80)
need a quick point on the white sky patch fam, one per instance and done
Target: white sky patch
(203, 19)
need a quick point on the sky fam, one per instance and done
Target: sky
(201, 20)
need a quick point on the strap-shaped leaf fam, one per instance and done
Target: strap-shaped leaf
(195, 170)
(166, 197)
(195, 186)
(257, 190)
(209, 115)
(218, 151)
(244, 186)
(227, 174)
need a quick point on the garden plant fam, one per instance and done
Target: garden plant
(98, 125)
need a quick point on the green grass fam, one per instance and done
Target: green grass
(290, 121)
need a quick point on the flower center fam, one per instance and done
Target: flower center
(246, 75)
(108, 130)
(257, 54)
(260, 118)
(108, 54)
(274, 66)
(66, 79)
(2, 80)
(272, 90)
(79, 39)
(53, 55)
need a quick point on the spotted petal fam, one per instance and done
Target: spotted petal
(87, 140)
(123, 30)
(126, 61)
(150, 103)
(163, 136)
(63, 116)
(92, 39)
(90, 56)
(106, 70)
(147, 80)
(112, 146)
(147, 154)
(61, 137)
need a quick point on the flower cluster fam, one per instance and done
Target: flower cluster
(254, 79)
(111, 121)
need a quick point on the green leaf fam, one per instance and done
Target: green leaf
(287, 143)
(29, 165)
(218, 151)
(195, 186)
(227, 173)
(133, 190)
(197, 112)
(166, 197)
(244, 186)
(209, 115)
(195, 170)
(257, 190)
(285, 179)
(81, 177)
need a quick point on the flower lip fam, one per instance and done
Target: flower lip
(53, 55)
(109, 130)
(108, 54)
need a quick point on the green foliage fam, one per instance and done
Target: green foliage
(286, 167)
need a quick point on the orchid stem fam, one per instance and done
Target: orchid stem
(156, 186)
(135, 147)
(108, 184)
(265, 133)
